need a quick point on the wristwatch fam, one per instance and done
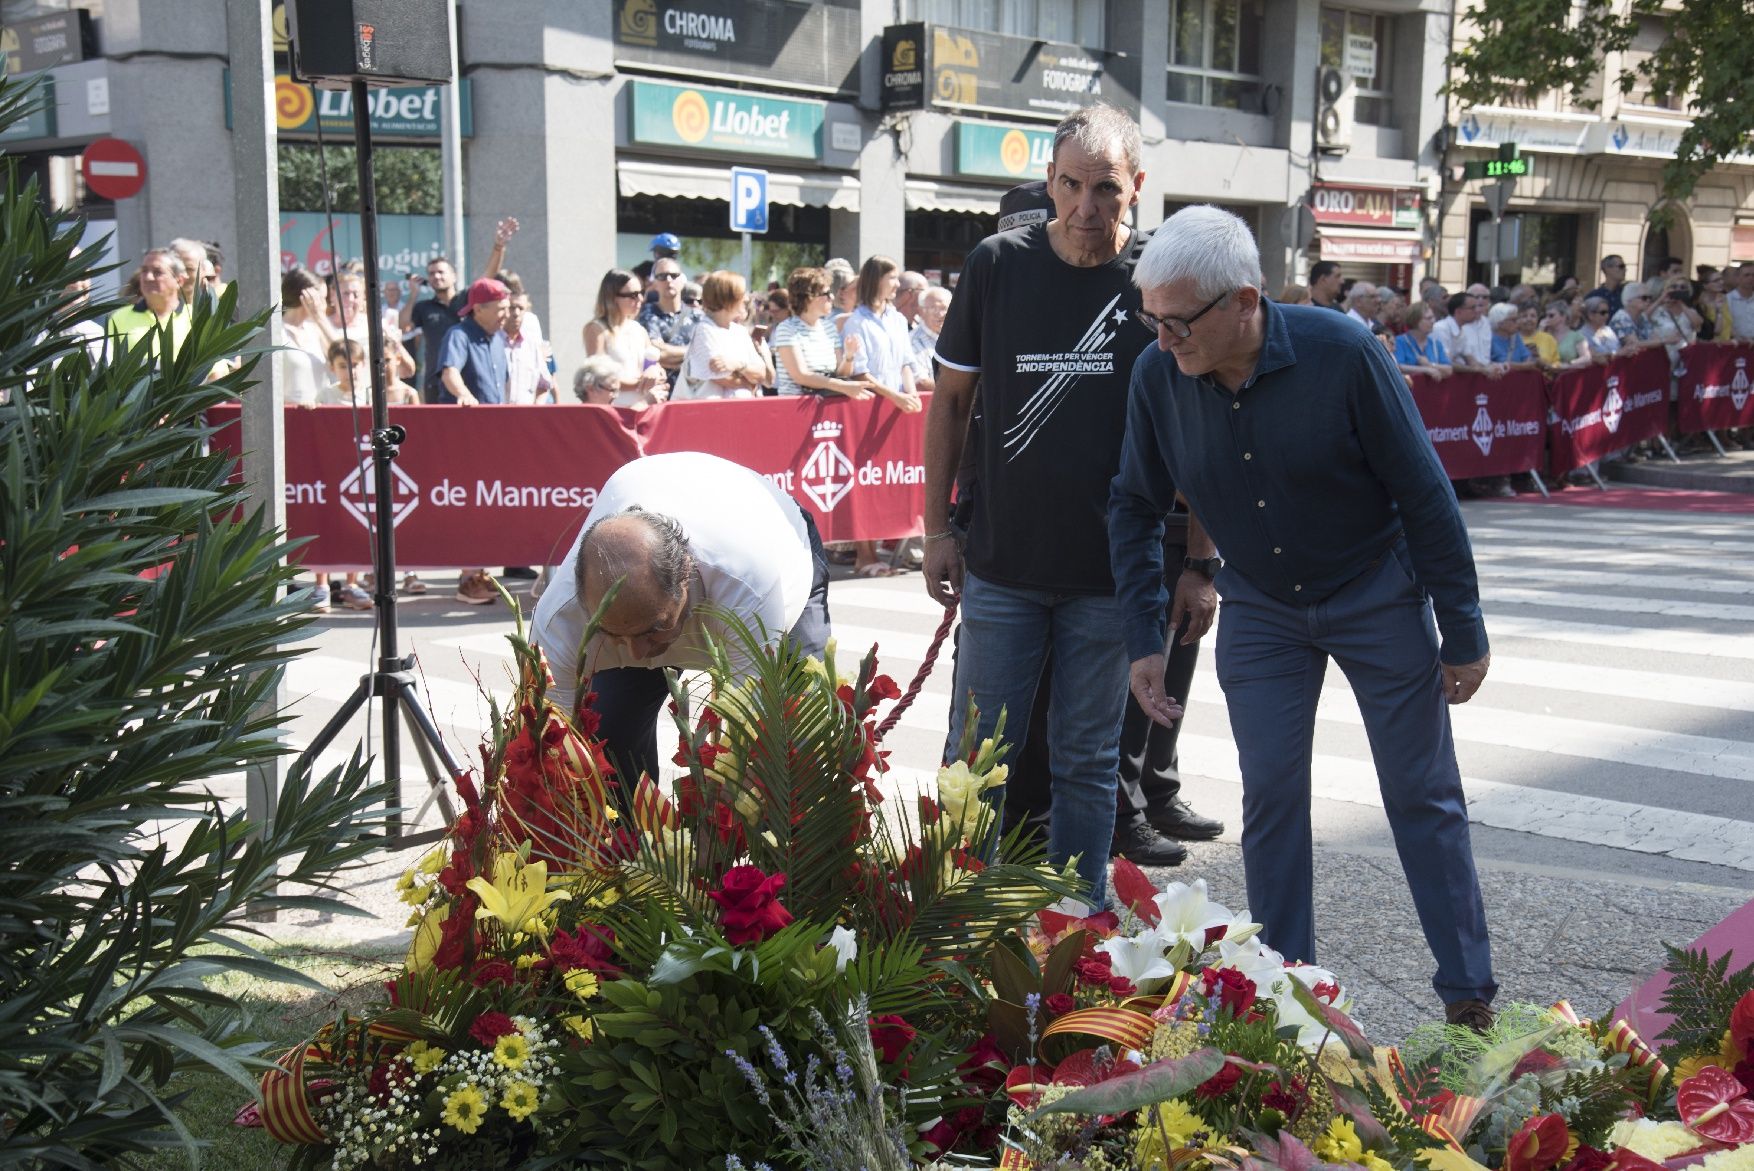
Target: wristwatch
(1207, 567)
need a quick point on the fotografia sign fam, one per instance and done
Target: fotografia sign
(969, 69)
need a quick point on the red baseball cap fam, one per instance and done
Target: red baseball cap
(484, 290)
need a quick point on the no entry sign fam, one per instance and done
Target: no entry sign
(113, 168)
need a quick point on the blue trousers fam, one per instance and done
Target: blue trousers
(1006, 633)
(1271, 659)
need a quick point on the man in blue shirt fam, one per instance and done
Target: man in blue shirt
(472, 369)
(1294, 439)
(472, 360)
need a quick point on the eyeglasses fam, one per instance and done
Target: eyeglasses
(1597, 312)
(1177, 327)
(627, 295)
(666, 276)
(691, 300)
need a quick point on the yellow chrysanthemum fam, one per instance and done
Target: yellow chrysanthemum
(520, 1100)
(1371, 1161)
(464, 1109)
(1726, 1057)
(582, 983)
(1161, 1130)
(423, 1057)
(581, 1025)
(1340, 1143)
(511, 1051)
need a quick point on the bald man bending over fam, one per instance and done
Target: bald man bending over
(680, 531)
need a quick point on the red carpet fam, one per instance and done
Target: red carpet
(1642, 499)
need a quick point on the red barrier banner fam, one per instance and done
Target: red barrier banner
(1714, 386)
(510, 485)
(1482, 426)
(1599, 410)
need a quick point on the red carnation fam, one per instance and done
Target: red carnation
(1059, 1004)
(490, 1027)
(1220, 1083)
(890, 1036)
(749, 905)
(589, 946)
(494, 971)
(1589, 1159)
(1285, 1099)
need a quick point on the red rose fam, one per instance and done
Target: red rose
(749, 905)
(494, 971)
(1220, 1083)
(890, 1036)
(1059, 1004)
(1094, 970)
(1588, 1158)
(1229, 989)
(942, 1136)
(1121, 986)
(986, 1066)
(1742, 1024)
(490, 1027)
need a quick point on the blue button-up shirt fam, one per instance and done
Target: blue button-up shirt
(1305, 478)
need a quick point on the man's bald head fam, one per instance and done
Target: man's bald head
(648, 553)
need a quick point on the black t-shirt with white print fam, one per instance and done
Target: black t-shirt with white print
(1054, 344)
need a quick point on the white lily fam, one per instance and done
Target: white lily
(1139, 958)
(845, 944)
(1186, 914)
(1310, 1029)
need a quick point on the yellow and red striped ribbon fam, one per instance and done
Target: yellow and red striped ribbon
(1623, 1038)
(286, 1107)
(1126, 1027)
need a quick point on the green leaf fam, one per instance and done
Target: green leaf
(1157, 1082)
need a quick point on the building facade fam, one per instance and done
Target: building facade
(893, 126)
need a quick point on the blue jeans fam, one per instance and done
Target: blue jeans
(1006, 633)
(1271, 659)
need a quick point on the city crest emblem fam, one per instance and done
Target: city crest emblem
(828, 474)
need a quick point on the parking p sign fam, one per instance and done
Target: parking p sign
(748, 199)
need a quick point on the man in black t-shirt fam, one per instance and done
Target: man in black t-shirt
(433, 317)
(1053, 375)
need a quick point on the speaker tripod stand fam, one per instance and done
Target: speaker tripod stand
(393, 681)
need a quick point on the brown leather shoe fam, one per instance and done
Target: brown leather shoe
(1470, 1014)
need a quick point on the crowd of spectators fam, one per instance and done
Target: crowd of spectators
(861, 332)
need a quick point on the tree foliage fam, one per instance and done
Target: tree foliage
(145, 617)
(1705, 61)
(407, 179)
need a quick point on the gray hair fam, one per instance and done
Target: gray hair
(171, 259)
(934, 294)
(1097, 128)
(1360, 290)
(1205, 244)
(1501, 312)
(667, 557)
(598, 370)
(840, 274)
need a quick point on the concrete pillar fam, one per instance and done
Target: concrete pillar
(882, 220)
(167, 96)
(1147, 26)
(544, 106)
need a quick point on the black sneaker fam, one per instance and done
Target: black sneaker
(1177, 820)
(519, 573)
(1144, 846)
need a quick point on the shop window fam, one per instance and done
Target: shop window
(1077, 22)
(1215, 53)
(1548, 252)
(1652, 32)
(1349, 38)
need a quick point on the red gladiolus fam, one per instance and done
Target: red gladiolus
(456, 935)
(882, 687)
(1540, 1145)
(1059, 1004)
(929, 811)
(587, 717)
(749, 906)
(490, 1027)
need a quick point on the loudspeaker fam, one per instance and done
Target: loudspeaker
(379, 42)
